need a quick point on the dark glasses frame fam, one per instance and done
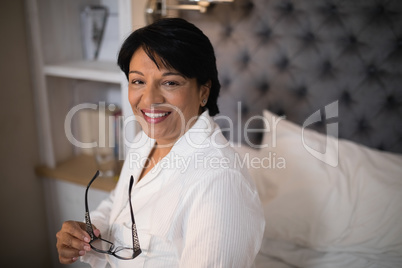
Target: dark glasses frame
(114, 251)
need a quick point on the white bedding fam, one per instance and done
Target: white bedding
(318, 215)
(281, 254)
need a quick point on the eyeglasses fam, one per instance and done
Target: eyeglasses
(103, 246)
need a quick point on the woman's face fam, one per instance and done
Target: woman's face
(165, 102)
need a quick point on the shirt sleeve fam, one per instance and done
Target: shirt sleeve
(225, 223)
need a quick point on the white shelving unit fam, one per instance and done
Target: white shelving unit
(62, 78)
(59, 67)
(101, 71)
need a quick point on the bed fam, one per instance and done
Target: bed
(341, 210)
(314, 92)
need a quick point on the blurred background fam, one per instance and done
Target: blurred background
(23, 224)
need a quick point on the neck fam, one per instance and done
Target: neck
(160, 151)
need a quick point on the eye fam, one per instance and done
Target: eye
(170, 83)
(136, 82)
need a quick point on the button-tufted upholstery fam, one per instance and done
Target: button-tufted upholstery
(295, 57)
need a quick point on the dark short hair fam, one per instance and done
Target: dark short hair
(179, 45)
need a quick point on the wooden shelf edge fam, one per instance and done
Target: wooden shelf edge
(79, 170)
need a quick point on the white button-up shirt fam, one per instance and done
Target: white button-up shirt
(197, 207)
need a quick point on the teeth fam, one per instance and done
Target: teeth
(155, 115)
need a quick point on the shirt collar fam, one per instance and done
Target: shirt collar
(192, 140)
(194, 137)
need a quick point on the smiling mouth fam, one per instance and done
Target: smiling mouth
(155, 116)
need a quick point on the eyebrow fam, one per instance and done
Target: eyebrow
(164, 74)
(172, 73)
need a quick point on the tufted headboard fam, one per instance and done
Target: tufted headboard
(295, 57)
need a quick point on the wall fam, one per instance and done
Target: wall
(23, 230)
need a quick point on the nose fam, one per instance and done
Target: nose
(152, 95)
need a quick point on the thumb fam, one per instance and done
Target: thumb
(97, 232)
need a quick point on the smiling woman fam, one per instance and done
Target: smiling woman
(163, 101)
(201, 214)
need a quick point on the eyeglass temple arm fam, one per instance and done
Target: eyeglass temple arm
(88, 223)
(136, 244)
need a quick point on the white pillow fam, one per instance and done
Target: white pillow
(355, 206)
(247, 155)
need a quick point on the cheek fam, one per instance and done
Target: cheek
(132, 97)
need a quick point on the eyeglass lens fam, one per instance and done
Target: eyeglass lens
(105, 246)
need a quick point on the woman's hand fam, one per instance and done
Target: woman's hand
(73, 241)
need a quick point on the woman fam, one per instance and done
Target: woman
(193, 206)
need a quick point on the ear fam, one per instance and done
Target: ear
(204, 92)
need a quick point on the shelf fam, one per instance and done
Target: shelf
(101, 71)
(79, 170)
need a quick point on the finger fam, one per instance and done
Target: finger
(66, 240)
(63, 260)
(76, 229)
(97, 232)
(69, 255)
